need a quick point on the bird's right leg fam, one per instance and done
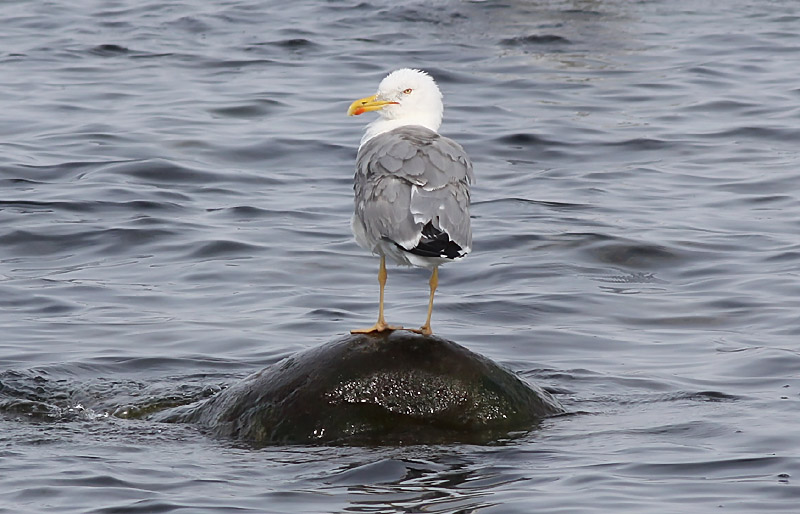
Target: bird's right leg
(381, 325)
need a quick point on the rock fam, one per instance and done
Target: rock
(399, 388)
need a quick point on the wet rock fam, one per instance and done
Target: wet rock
(399, 388)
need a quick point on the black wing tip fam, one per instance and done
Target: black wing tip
(436, 243)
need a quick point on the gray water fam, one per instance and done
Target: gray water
(176, 192)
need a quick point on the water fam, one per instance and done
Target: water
(176, 192)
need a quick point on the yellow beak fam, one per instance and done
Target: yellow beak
(367, 104)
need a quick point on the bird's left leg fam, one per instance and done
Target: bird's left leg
(434, 283)
(381, 325)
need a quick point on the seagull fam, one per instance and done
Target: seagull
(411, 184)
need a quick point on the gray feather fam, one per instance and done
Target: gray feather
(408, 177)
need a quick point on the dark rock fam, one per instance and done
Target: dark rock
(399, 388)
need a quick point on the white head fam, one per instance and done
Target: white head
(404, 97)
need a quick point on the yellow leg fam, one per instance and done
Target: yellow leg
(434, 283)
(381, 325)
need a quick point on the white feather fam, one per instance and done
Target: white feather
(422, 106)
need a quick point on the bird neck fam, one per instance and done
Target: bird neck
(381, 125)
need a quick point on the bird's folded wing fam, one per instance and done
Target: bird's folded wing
(410, 176)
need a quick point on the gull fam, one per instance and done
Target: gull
(411, 184)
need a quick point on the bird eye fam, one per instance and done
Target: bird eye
(407, 91)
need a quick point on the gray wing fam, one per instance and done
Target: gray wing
(408, 177)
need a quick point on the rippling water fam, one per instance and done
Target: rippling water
(176, 192)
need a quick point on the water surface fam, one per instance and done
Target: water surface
(177, 188)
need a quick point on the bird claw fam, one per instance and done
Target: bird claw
(377, 328)
(424, 330)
